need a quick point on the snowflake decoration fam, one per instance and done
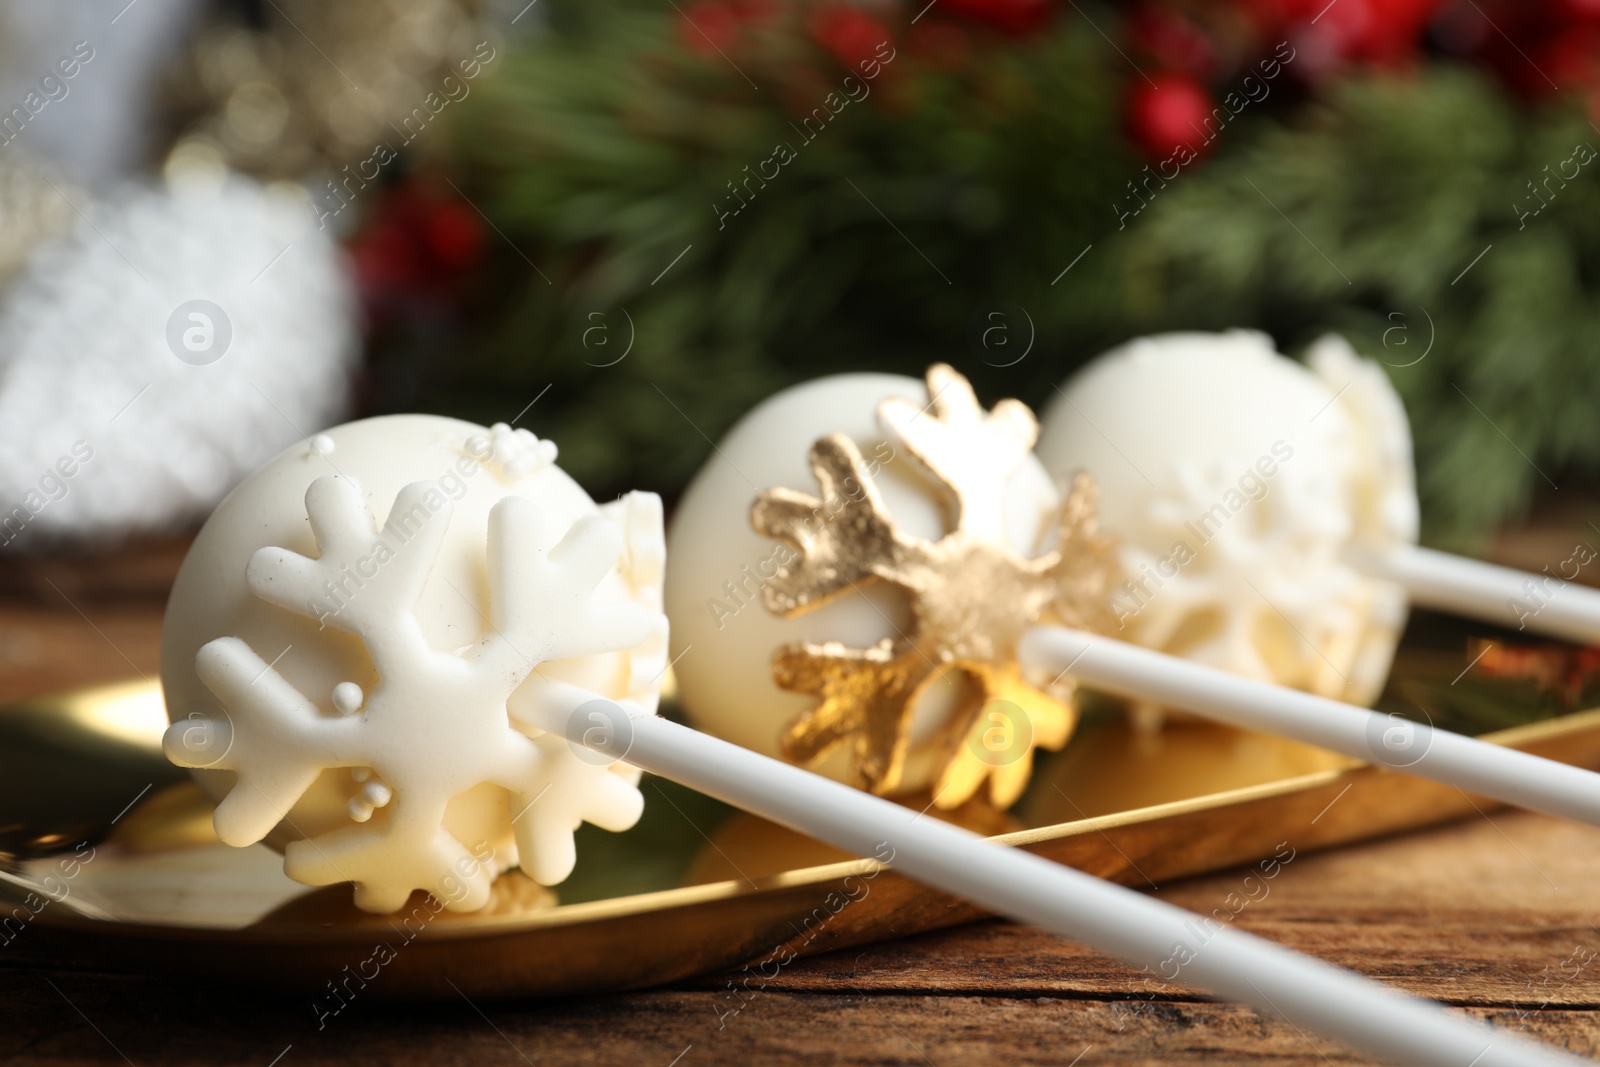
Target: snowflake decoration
(972, 597)
(436, 723)
(1270, 594)
(1279, 569)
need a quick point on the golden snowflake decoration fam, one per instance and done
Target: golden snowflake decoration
(972, 597)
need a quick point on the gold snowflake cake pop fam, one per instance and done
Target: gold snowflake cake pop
(971, 594)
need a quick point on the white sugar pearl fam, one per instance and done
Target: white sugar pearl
(347, 697)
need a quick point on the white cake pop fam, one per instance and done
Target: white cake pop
(1235, 481)
(363, 633)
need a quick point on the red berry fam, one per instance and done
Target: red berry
(850, 34)
(1167, 111)
(454, 235)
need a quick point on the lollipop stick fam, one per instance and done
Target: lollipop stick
(1500, 595)
(1502, 773)
(1008, 881)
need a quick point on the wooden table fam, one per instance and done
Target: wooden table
(1495, 915)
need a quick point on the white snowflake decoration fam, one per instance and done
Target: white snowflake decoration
(1285, 567)
(1239, 484)
(436, 723)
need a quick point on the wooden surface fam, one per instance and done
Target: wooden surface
(1495, 915)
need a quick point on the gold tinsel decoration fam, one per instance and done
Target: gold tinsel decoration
(972, 597)
(319, 84)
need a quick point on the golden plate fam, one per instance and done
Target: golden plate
(107, 857)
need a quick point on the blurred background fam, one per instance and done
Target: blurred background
(226, 225)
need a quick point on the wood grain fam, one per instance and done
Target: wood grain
(1489, 916)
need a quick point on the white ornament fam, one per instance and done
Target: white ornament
(724, 637)
(570, 612)
(1237, 481)
(176, 340)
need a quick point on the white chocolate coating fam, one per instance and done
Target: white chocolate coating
(321, 644)
(1237, 481)
(723, 636)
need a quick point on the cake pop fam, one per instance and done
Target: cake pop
(861, 604)
(361, 631)
(1267, 511)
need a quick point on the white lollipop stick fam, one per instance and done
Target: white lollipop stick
(1500, 595)
(1127, 670)
(1136, 928)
